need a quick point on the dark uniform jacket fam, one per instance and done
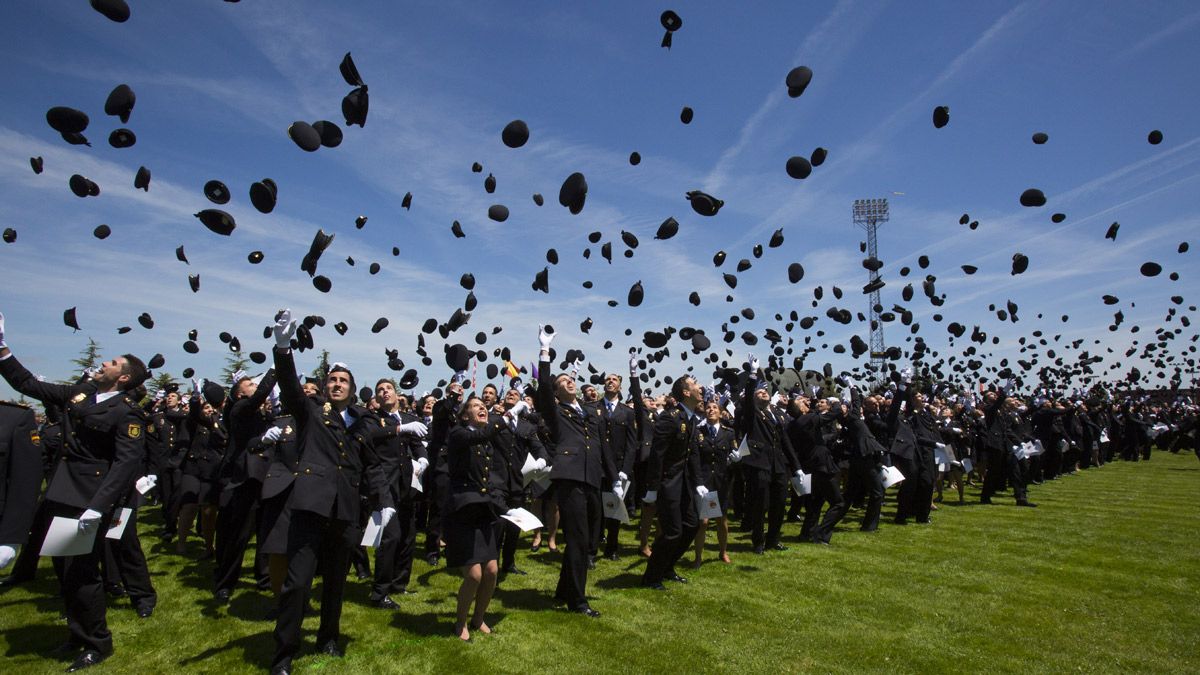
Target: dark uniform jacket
(577, 440)
(770, 448)
(206, 444)
(810, 435)
(396, 451)
(713, 455)
(20, 472)
(472, 461)
(246, 420)
(513, 448)
(282, 456)
(334, 469)
(621, 434)
(674, 464)
(103, 446)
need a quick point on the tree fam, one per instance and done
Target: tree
(233, 363)
(322, 368)
(89, 358)
(159, 382)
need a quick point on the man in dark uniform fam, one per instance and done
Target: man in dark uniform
(866, 458)
(672, 480)
(397, 455)
(767, 467)
(620, 432)
(580, 462)
(124, 561)
(514, 448)
(811, 433)
(333, 469)
(246, 420)
(104, 449)
(20, 477)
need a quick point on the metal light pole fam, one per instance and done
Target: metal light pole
(870, 214)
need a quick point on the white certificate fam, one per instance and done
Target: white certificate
(64, 538)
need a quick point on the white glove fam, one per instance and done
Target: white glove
(633, 364)
(422, 464)
(271, 435)
(799, 473)
(7, 553)
(284, 329)
(544, 339)
(753, 360)
(2, 343)
(89, 519)
(385, 516)
(540, 465)
(621, 476)
(153, 477)
(702, 491)
(734, 456)
(906, 375)
(160, 395)
(417, 429)
(195, 385)
(237, 377)
(518, 409)
(145, 484)
(618, 490)
(651, 497)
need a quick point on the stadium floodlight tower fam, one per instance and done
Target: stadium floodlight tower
(870, 214)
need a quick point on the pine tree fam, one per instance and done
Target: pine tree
(159, 382)
(233, 363)
(322, 368)
(89, 358)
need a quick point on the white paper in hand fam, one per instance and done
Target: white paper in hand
(802, 484)
(373, 532)
(891, 476)
(744, 449)
(416, 480)
(522, 519)
(614, 508)
(941, 456)
(709, 506)
(65, 539)
(116, 529)
(144, 484)
(968, 465)
(529, 470)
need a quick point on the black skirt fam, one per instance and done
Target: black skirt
(195, 490)
(470, 535)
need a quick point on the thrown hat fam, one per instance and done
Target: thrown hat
(217, 221)
(941, 116)
(797, 80)
(515, 134)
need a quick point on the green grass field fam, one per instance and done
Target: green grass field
(1103, 577)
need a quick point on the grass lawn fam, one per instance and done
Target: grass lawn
(1103, 577)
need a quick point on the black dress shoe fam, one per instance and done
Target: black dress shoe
(386, 603)
(222, 595)
(779, 547)
(654, 585)
(985, 500)
(145, 612)
(758, 550)
(362, 575)
(13, 580)
(87, 659)
(513, 569)
(591, 563)
(405, 591)
(114, 590)
(331, 649)
(587, 611)
(1025, 502)
(432, 560)
(677, 579)
(281, 670)
(612, 556)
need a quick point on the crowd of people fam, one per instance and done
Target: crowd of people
(304, 466)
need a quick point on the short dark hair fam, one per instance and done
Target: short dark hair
(135, 369)
(678, 385)
(387, 380)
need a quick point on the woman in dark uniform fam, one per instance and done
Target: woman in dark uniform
(278, 443)
(473, 506)
(201, 468)
(717, 447)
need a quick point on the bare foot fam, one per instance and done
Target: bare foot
(645, 551)
(482, 628)
(462, 633)
(725, 558)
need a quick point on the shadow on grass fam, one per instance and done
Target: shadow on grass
(35, 640)
(528, 599)
(257, 649)
(621, 581)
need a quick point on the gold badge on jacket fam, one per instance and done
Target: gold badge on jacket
(135, 431)
(327, 408)
(683, 427)
(35, 437)
(79, 398)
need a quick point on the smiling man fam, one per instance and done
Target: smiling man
(104, 445)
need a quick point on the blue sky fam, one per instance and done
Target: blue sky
(219, 83)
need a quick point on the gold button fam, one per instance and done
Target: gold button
(308, 471)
